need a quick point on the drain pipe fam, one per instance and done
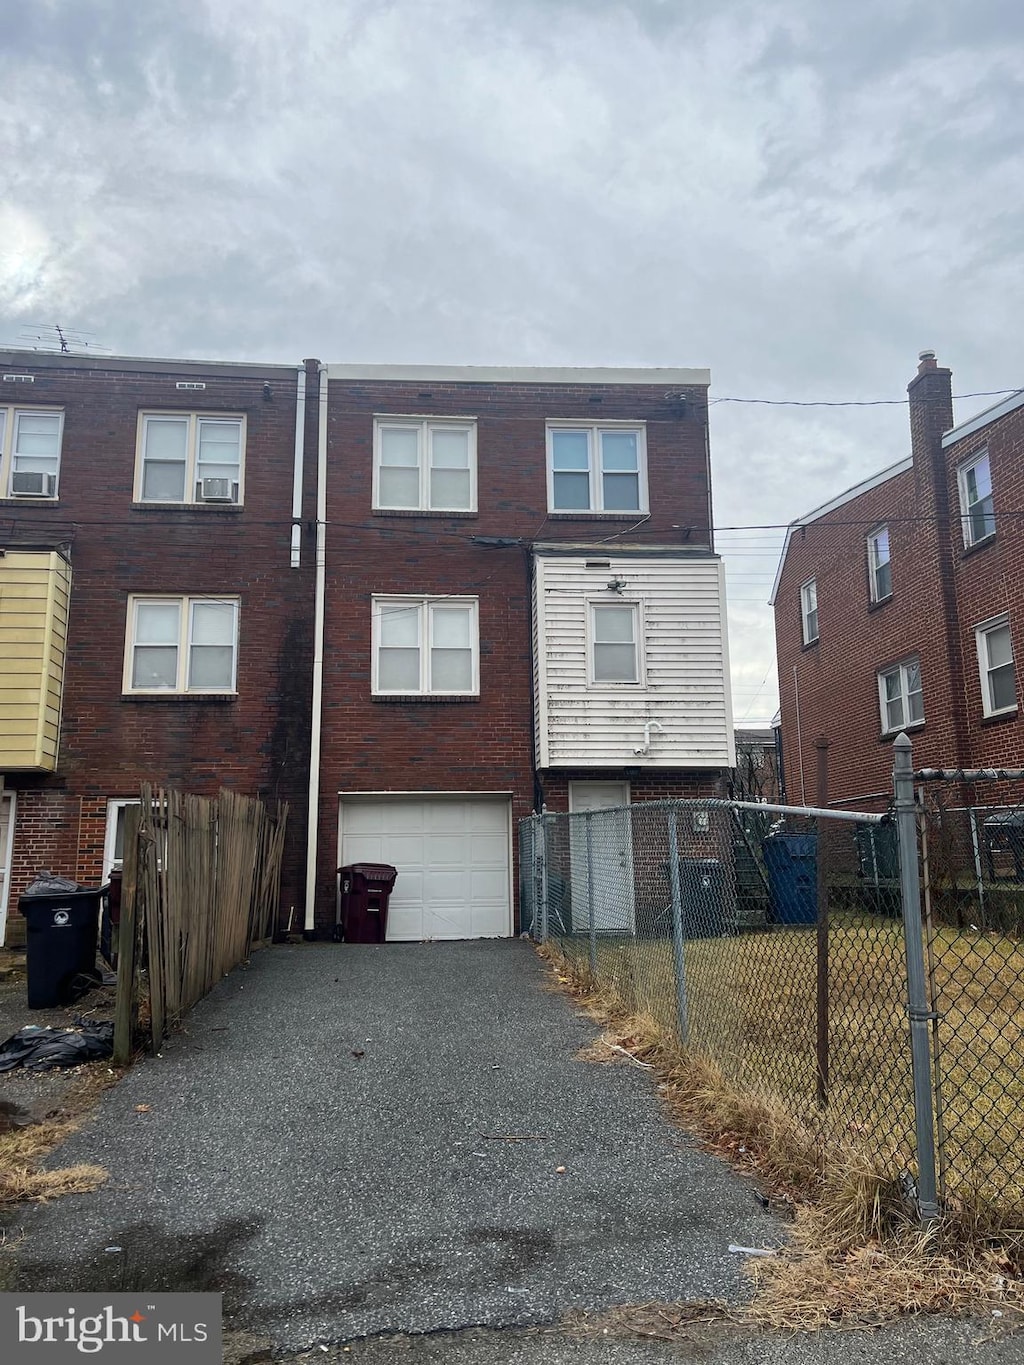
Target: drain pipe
(300, 445)
(313, 809)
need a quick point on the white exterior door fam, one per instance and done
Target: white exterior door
(6, 850)
(610, 877)
(452, 856)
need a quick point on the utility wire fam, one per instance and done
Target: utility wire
(852, 402)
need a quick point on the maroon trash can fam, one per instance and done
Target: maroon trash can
(364, 891)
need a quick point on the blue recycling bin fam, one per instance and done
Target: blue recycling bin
(791, 861)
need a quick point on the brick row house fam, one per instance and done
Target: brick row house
(418, 602)
(898, 604)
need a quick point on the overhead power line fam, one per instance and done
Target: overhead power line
(852, 402)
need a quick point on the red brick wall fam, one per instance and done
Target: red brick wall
(484, 743)
(940, 592)
(256, 742)
(46, 832)
(989, 581)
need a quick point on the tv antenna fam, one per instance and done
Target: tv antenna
(62, 340)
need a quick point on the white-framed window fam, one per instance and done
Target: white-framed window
(596, 467)
(181, 644)
(900, 696)
(426, 646)
(30, 444)
(424, 464)
(113, 844)
(995, 662)
(190, 457)
(615, 643)
(879, 564)
(809, 610)
(976, 510)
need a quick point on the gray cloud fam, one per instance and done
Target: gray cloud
(800, 196)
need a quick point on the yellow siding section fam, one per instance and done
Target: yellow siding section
(35, 592)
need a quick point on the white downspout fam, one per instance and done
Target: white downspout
(300, 446)
(313, 809)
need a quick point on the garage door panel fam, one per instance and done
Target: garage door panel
(452, 861)
(489, 921)
(488, 848)
(362, 848)
(447, 850)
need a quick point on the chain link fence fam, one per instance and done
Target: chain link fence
(707, 918)
(973, 897)
(773, 943)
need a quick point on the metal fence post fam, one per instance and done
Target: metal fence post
(918, 1010)
(822, 998)
(590, 895)
(542, 850)
(677, 929)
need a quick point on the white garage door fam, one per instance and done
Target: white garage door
(452, 858)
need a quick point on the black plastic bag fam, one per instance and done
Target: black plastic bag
(42, 1049)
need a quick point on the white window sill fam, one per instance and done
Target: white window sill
(33, 498)
(911, 725)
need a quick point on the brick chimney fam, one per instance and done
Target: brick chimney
(931, 410)
(936, 536)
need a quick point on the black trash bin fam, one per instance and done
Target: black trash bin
(62, 929)
(364, 892)
(704, 891)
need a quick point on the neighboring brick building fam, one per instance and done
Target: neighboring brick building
(897, 605)
(425, 600)
(164, 491)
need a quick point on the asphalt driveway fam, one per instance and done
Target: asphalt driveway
(328, 1143)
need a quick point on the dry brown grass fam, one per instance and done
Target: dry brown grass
(854, 1257)
(22, 1150)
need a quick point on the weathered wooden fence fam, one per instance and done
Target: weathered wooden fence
(199, 891)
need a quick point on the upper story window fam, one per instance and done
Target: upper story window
(424, 464)
(879, 565)
(809, 610)
(975, 481)
(181, 644)
(995, 661)
(190, 457)
(615, 634)
(30, 441)
(599, 468)
(425, 645)
(900, 696)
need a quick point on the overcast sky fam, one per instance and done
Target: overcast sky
(799, 195)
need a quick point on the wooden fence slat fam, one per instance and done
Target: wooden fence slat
(202, 883)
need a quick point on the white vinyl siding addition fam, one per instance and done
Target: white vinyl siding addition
(678, 607)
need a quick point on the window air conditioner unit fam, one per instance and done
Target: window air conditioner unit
(31, 484)
(217, 490)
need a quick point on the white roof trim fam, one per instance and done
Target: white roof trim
(507, 374)
(858, 488)
(991, 414)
